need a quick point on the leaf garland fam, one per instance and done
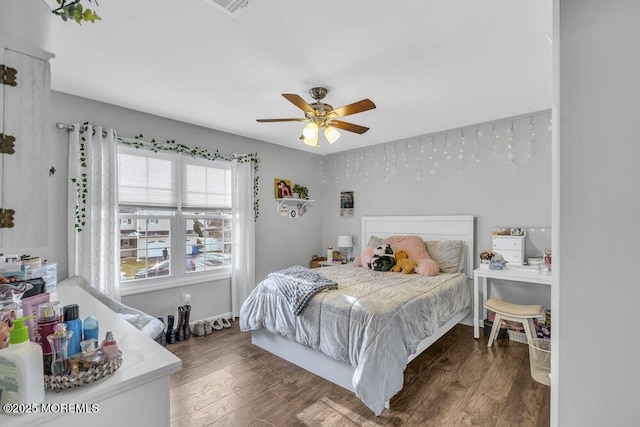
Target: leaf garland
(155, 146)
(73, 10)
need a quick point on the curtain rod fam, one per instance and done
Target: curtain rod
(68, 128)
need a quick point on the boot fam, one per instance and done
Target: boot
(180, 327)
(162, 338)
(187, 330)
(171, 333)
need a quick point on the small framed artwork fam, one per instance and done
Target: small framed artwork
(346, 204)
(282, 188)
(516, 232)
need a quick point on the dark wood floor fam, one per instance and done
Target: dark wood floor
(458, 381)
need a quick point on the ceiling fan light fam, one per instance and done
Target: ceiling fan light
(331, 134)
(310, 131)
(311, 142)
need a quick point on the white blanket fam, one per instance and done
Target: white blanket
(373, 321)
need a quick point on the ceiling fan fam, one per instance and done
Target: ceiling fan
(320, 115)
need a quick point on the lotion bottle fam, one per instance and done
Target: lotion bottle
(22, 379)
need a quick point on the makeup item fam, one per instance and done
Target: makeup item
(22, 376)
(30, 308)
(49, 315)
(10, 295)
(90, 328)
(110, 347)
(70, 314)
(59, 342)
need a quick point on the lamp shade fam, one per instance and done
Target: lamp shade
(331, 134)
(345, 241)
(310, 131)
(311, 142)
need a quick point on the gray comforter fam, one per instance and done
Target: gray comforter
(373, 321)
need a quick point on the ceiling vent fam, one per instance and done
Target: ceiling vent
(232, 7)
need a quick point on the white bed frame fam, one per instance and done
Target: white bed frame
(456, 227)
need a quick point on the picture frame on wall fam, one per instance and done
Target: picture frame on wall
(346, 204)
(282, 188)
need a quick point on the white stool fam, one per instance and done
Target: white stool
(515, 312)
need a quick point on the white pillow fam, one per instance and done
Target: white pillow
(449, 254)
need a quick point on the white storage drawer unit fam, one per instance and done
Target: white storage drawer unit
(510, 247)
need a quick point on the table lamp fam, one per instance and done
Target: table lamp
(345, 242)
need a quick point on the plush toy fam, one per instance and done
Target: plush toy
(383, 259)
(497, 262)
(404, 264)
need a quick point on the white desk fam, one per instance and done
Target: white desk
(137, 394)
(515, 274)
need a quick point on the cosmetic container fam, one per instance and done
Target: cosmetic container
(70, 314)
(49, 315)
(22, 376)
(110, 347)
(90, 328)
(59, 342)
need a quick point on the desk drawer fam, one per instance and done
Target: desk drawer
(512, 257)
(507, 243)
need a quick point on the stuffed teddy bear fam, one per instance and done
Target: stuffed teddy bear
(383, 259)
(404, 264)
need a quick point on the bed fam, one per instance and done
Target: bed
(362, 335)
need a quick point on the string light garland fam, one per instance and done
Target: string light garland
(476, 145)
(461, 152)
(531, 148)
(511, 146)
(414, 151)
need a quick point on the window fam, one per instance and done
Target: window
(175, 216)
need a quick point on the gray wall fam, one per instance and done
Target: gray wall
(491, 189)
(482, 183)
(597, 152)
(280, 241)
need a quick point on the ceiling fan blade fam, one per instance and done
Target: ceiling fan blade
(299, 102)
(280, 120)
(356, 107)
(348, 126)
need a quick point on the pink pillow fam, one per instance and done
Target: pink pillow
(415, 247)
(364, 260)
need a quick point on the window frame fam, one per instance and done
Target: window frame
(179, 276)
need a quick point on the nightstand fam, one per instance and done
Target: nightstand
(331, 263)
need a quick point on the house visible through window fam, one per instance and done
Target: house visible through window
(175, 215)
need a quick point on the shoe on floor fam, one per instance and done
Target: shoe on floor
(225, 323)
(207, 328)
(198, 329)
(217, 325)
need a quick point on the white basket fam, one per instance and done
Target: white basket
(540, 360)
(517, 336)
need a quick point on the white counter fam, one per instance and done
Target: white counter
(136, 394)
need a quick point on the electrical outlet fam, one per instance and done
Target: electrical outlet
(186, 299)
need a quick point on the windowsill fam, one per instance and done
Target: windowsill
(171, 282)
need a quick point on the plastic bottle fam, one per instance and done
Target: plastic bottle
(22, 379)
(110, 347)
(59, 341)
(90, 328)
(70, 313)
(329, 253)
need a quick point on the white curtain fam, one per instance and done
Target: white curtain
(93, 208)
(243, 274)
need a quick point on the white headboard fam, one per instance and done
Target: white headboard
(450, 227)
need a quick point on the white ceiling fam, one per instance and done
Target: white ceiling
(428, 65)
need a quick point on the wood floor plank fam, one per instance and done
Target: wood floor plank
(226, 381)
